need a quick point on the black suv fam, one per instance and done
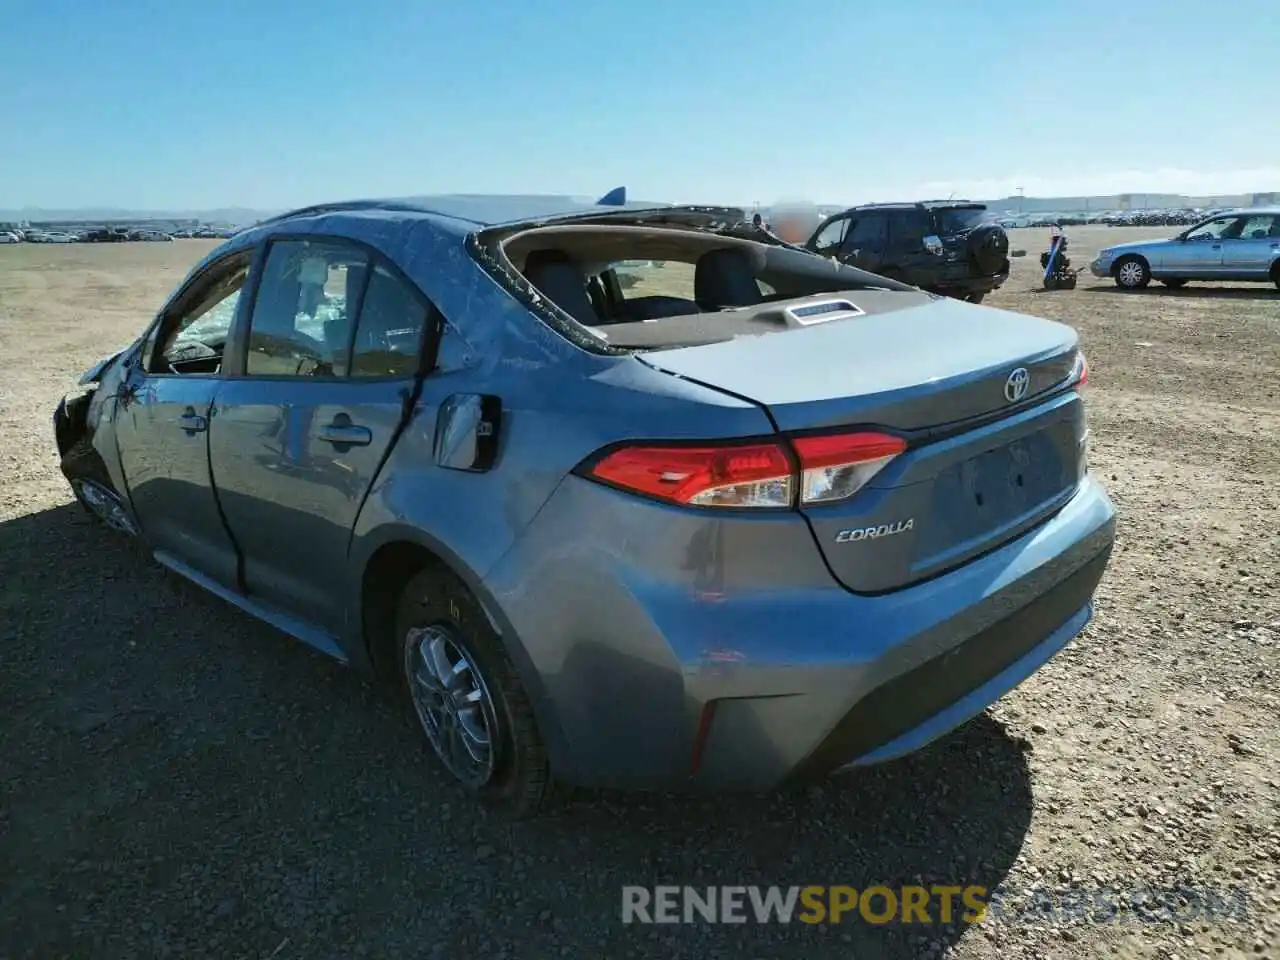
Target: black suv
(948, 247)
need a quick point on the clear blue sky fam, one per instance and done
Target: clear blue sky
(274, 103)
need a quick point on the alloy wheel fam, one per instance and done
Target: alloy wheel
(452, 702)
(1130, 273)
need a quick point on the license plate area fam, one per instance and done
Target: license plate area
(984, 493)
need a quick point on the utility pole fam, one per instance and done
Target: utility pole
(1021, 202)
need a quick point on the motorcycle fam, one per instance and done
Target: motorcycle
(1055, 263)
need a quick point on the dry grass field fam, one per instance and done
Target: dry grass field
(179, 781)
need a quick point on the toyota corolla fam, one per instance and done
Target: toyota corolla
(609, 493)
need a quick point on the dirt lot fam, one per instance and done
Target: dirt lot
(180, 781)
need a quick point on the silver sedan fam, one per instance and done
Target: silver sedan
(1241, 245)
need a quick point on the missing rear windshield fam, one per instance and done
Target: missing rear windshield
(612, 288)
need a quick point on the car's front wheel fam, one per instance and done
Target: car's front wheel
(1132, 273)
(466, 696)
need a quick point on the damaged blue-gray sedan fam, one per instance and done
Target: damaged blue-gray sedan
(612, 494)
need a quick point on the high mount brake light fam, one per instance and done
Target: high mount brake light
(824, 468)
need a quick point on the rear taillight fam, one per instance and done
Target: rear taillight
(1080, 371)
(836, 466)
(823, 469)
(728, 475)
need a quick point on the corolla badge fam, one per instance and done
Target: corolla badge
(876, 532)
(1015, 387)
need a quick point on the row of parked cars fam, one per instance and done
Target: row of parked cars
(108, 235)
(1158, 218)
(1115, 218)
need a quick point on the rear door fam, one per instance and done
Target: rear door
(1249, 253)
(163, 418)
(333, 347)
(906, 237)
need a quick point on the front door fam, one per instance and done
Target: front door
(300, 434)
(1198, 255)
(163, 418)
(867, 241)
(826, 242)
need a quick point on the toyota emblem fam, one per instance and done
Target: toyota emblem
(1015, 388)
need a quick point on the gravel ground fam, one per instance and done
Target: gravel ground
(181, 781)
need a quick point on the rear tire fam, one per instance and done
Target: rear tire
(1275, 274)
(93, 488)
(1131, 273)
(463, 691)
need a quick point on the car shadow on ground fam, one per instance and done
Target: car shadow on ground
(1191, 292)
(184, 781)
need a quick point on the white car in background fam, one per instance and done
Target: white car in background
(7, 237)
(48, 236)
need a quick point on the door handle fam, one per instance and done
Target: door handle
(192, 422)
(1216, 246)
(342, 432)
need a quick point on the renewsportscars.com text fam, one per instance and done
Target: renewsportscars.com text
(943, 904)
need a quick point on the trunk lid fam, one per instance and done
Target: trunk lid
(923, 366)
(985, 462)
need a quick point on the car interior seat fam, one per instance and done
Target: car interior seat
(559, 279)
(725, 278)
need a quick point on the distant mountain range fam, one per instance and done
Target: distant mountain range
(241, 216)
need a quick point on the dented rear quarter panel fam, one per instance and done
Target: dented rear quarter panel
(554, 415)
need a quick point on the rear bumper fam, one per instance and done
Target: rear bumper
(960, 281)
(726, 683)
(914, 708)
